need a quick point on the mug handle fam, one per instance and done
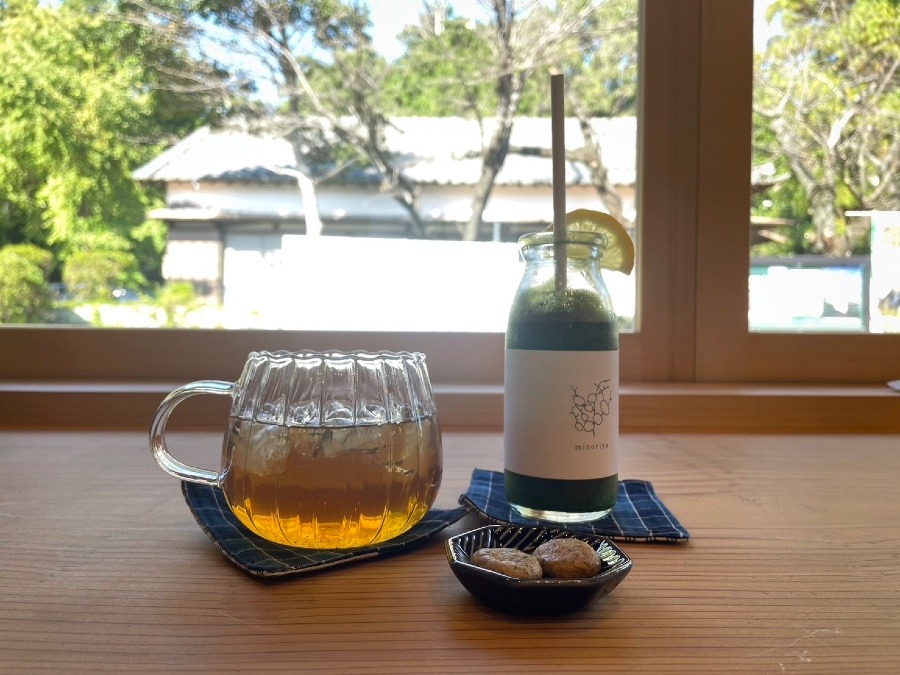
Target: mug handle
(158, 430)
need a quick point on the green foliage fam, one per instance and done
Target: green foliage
(176, 299)
(178, 102)
(25, 294)
(67, 103)
(443, 75)
(600, 60)
(91, 276)
(454, 72)
(40, 257)
(148, 244)
(79, 110)
(827, 117)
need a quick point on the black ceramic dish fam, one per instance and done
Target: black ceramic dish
(532, 596)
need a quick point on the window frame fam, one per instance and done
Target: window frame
(693, 194)
(726, 350)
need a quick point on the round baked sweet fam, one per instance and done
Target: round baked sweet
(566, 558)
(509, 561)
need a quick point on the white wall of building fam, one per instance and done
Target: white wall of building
(355, 283)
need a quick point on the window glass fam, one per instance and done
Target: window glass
(337, 171)
(825, 212)
(693, 134)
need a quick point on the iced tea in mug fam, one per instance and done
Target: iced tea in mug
(323, 450)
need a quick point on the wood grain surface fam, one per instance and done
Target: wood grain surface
(793, 566)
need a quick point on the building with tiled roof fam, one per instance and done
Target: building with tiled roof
(229, 192)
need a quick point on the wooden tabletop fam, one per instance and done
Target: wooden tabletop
(794, 565)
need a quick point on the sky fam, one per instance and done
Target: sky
(390, 16)
(762, 31)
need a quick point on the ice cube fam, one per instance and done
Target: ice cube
(268, 450)
(365, 440)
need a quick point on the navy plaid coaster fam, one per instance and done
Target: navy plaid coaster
(638, 514)
(263, 558)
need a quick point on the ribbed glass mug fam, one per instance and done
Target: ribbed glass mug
(323, 449)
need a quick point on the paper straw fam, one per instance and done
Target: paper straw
(558, 139)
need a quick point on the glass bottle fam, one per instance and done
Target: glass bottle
(561, 383)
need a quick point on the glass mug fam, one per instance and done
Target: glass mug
(323, 450)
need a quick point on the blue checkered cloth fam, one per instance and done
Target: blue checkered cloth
(639, 515)
(262, 558)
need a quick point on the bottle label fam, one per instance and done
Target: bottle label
(561, 413)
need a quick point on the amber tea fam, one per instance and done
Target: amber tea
(323, 450)
(331, 487)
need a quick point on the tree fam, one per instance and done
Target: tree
(176, 300)
(25, 295)
(827, 114)
(599, 60)
(315, 60)
(78, 112)
(437, 75)
(602, 82)
(91, 276)
(333, 92)
(526, 41)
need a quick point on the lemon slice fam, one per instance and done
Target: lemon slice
(619, 253)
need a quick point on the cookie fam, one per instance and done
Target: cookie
(509, 561)
(566, 558)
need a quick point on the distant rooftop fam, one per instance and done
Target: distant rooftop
(431, 151)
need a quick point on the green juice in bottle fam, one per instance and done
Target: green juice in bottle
(561, 389)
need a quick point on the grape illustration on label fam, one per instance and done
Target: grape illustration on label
(590, 411)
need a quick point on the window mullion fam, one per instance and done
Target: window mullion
(725, 106)
(663, 347)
